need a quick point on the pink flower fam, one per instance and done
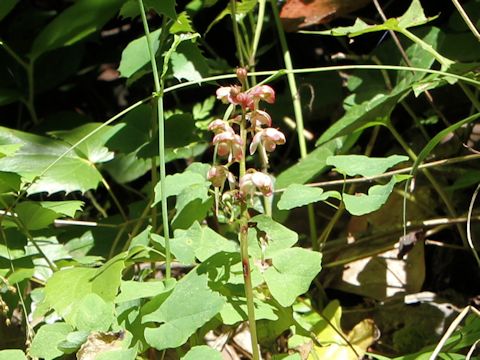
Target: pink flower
(269, 138)
(233, 95)
(218, 126)
(229, 144)
(259, 116)
(218, 174)
(254, 180)
(263, 92)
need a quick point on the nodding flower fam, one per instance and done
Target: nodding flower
(259, 116)
(254, 180)
(263, 92)
(229, 144)
(234, 95)
(218, 174)
(269, 138)
(218, 126)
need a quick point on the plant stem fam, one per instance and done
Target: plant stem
(467, 20)
(236, 33)
(297, 109)
(158, 83)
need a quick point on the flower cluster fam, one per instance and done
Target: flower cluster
(232, 136)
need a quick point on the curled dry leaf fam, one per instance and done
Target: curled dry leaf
(297, 14)
(100, 342)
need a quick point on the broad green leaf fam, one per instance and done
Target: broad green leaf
(9, 182)
(5, 7)
(135, 56)
(202, 352)
(37, 153)
(23, 269)
(189, 306)
(414, 16)
(9, 149)
(44, 344)
(297, 195)
(66, 208)
(125, 168)
(72, 25)
(361, 204)
(164, 7)
(193, 204)
(73, 341)
(12, 354)
(93, 314)
(133, 290)
(93, 148)
(175, 184)
(235, 310)
(353, 165)
(291, 273)
(278, 237)
(188, 62)
(66, 289)
(199, 242)
(38, 215)
(201, 110)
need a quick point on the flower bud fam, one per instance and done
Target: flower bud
(241, 74)
(218, 174)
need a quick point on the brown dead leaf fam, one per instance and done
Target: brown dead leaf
(100, 342)
(297, 14)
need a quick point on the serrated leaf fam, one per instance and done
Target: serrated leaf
(175, 184)
(38, 215)
(71, 25)
(12, 354)
(297, 195)
(66, 289)
(133, 290)
(93, 148)
(291, 273)
(242, 8)
(189, 306)
(278, 237)
(202, 352)
(353, 165)
(182, 24)
(201, 110)
(135, 56)
(37, 153)
(361, 204)
(66, 208)
(125, 168)
(44, 344)
(165, 7)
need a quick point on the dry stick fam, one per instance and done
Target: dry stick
(469, 231)
(405, 57)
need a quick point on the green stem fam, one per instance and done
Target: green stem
(236, 33)
(467, 20)
(445, 62)
(158, 83)
(297, 109)
(438, 188)
(258, 32)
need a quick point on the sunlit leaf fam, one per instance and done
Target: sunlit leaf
(175, 184)
(297, 195)
(202, 352)
(12, 354)
(291, 273)
(353, 165)
(132, 290)
(93, 314)
(189, 306)
(361, 204)
(45, 342)
(188, 62)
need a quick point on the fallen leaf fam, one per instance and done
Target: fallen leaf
(297, 14)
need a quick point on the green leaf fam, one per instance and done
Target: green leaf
(66, 289)
(44, 344)
(133, 290)
(38, 215)
(12, 354)
(291, 273)
(361, 204)
(182, 24)
(37, 153)
(93, 149)
(188, 62)
(189, 306)
(72, 25)
(66, 208)
(199, 242)
(278, 237)
(73, 341)
(414, 16)
(297, 195)
(353, 165)
(135, 56)
(164, 7)
(9, 182)
(9, 149)
(193, 204)
(93, 314)
(202, 352)
(175, 184)
(5, 7)
(241, 8)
